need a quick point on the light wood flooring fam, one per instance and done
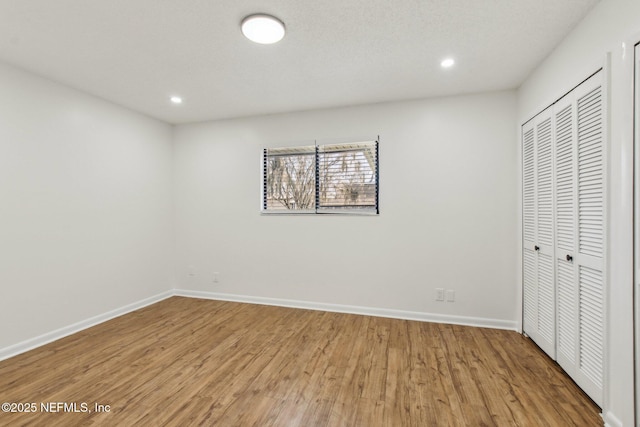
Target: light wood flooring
(184, 362)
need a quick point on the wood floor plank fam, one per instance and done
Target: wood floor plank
(186, 361)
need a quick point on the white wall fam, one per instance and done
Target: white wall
(610, 24)
(85, 207)
(448, 191)
(580, 54)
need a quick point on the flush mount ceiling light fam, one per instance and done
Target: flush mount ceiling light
(447, 63)
(263, 29)
(176, 99)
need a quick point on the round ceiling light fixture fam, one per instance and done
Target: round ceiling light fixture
(447, 63)
(263, 29)
(176, 99)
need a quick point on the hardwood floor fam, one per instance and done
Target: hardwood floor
(184, 362)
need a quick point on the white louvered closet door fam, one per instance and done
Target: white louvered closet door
(529, 232)
(566, 192)
(538, 232)
(579, 213)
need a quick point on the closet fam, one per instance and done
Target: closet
(563, 179)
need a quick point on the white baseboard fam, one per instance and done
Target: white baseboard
(611, 420)
(41, 340)
(352, 309)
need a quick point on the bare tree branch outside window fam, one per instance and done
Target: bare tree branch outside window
(291, 182)
(347, 177)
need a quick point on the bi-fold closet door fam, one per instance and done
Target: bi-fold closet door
(539, 291)
(563, 231)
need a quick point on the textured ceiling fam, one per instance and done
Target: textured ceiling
(137, 53)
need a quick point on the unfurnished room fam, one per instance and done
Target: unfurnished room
(336, 213)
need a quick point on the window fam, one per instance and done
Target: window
(289, 182)
(336, 178)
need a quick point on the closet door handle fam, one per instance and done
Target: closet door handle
(537, 248)
(569, 258)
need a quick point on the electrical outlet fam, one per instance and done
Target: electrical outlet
(439, 294)
(451, 295)
(216, 277)
(191, 271)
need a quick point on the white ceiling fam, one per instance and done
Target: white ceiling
(137, 53)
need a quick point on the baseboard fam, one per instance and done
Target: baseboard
(611, 420)
(351, 309)
(41, 340)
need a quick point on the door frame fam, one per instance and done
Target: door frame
(636, 219)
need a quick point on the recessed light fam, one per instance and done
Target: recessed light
(263, 29)
(447, 63)
(176, 99)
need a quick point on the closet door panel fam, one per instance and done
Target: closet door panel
(590, 221)
(538, 232)
(545, 234)
(543, 140)
(566, 233)
(530, 262)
